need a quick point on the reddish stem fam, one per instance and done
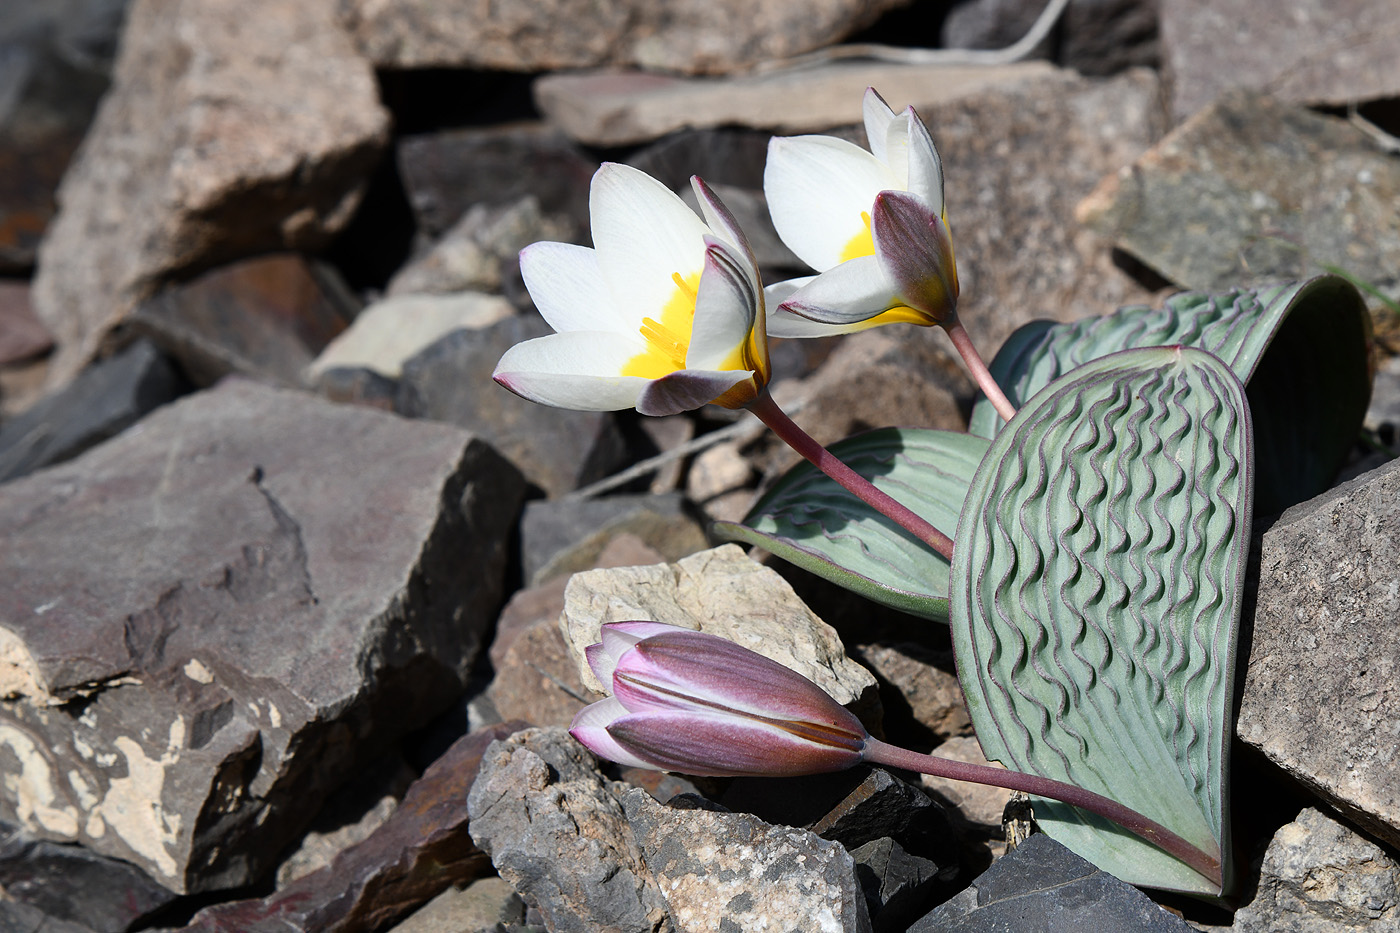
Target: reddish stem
(799, 440)
(980, 373)
(1206, 865)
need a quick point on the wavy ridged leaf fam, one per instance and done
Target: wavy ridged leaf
(1095, 589)
(809, 520)
(1301, 349)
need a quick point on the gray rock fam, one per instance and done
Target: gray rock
(1321, 695)
(1042, 887)
(481, 907)
(1385, 396)
(71, 883)
(896, 883)
(1317, 52)
(266, 318)
(200, 155)
(883, 806)
(721, 871)
(555, 830)
(923, 701)
(1320, 877)
(547, 35)
(221, 614)
(1253, 190)
(617, 108)
(557, 450)
(22, 918)
(562, 537)
(447, 173)
(22, 335)
(1094, 37)
(103, 400)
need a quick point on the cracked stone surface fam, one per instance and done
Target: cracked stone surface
(214, 617)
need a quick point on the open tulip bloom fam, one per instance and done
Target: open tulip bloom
(699, 704)
(874, 226)
(664, 314)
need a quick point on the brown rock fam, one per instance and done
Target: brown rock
(22, 335)
(1309, 51)
(980, 804)
(919, 691)
(232, 128)
(545, 35)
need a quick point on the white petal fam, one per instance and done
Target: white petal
(727, 305)
(817, 187)
(925, 168)
(719, 218)
(579, 370)
(590, 726)
(856, 290)
(644, 234)
(878, 118)
(783, 323)
(687, 390)
(568, 289)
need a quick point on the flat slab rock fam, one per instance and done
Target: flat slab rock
(723, 592)
(1321, 694)
(208, 618)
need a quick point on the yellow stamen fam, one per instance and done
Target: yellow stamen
(667, 339)
(862, 244)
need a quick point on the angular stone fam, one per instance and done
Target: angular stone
(1318, 52)
(557, 450)
(265, 318)
(921, 695)
(619, 108)
(103, 400)
(721, 871)
(686, 35)
(1094, 37)
(1252, 190)
(222, 615)
(447, 173)
(66, 882)
(423, 849)
(201, 155)
(488, 904)
(980, 804)
(881, 806)
(896, 883)
(556, 832)
(388, 333)
(1321, 695)
(22, 335)
(1042, 887)
(723, 592)
(1320, 877)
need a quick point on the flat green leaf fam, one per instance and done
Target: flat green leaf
(809, 520)
(1095, 591)
(1301, 348)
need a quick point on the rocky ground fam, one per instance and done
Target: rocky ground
(285, 579)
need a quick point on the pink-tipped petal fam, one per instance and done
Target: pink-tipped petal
(725, 746)
(617, 638)
(720, 219)
(728, 305)
(854, 291)
(578, 370)
(689, 389)
(925, 168)
(590, 728)
(914, 248)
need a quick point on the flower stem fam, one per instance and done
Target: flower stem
(1208, 866)
(799, 440)
(979, 370)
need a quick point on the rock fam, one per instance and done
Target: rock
(895, 883)
(1042, 887)
(1320, 52)
(619, 108)
(200, 155)
(1321, 695)
(450, 380)
(447, 173)
(222, 615)
(475, 251)
(1252, 190)
(980, 804)
(721, 871)
(919, 692)
(557, 834)
(668, 433)
(390, 332)
(24, 918)
(721, 481)
(355, 385)
(882, 806)
(53, 73)
(103, 400)
(688, 35)
(728, 156)
(1094, 37)
(422, 850)
(1320, 877)
(70, 883)
(484, 906)
(1385, 396)
(558, 538)
(265, 318)
(22, 335)
(723, 592)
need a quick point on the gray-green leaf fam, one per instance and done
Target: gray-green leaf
(809, 520)
(1095, 590)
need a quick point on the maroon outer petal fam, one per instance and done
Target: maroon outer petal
(916, 251)
(717, 745)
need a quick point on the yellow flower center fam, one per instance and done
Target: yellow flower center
(668, 340)
(862, 244)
